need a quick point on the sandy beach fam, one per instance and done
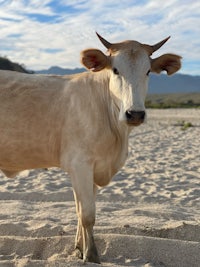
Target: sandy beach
(148, 216)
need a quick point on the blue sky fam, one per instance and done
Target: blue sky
(46, 33)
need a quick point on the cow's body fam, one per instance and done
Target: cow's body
(79, 123)
(47, 121)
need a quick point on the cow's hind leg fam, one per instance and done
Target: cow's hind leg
(82, 181)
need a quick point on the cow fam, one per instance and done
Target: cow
(79, 123)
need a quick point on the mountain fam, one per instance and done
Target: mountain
(178, 83)
(158, 84)
(60, 71)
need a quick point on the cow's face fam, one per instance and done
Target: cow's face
(129, 64)
(130, 68)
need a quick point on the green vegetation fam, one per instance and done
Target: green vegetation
(184, 125)
(6, 64)
(184, 100)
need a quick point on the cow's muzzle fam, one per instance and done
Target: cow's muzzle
(135, 118)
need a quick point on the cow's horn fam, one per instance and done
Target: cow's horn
(104, 42)
(158, 45)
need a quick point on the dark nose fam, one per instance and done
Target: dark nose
(135, 117)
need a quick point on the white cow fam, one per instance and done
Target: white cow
(79, 123)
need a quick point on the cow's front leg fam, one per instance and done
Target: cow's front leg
(79, 232)
(79, 235)
(82, 181)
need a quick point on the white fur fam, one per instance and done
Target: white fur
(130, 86)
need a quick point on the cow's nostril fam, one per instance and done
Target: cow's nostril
(142, 115)
(129, 114)
(135, 116)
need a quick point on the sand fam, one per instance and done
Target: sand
(148, 216)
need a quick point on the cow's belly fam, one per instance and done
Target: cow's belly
(17, 157)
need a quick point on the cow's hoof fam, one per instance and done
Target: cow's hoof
(93, 257)
(78, 253)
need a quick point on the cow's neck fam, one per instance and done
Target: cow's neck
(118, 137)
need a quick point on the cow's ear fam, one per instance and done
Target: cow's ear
(169, 62)
(94, 59)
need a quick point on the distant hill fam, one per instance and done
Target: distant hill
(178, 83)
(60, 71)
(6, 64)
(158, 84)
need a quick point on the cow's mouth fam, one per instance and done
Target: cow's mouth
(135, 118)
(134, 123)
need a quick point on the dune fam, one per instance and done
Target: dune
(149, 215)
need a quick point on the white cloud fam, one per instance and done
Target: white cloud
(30, 28)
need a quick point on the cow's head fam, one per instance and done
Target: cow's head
(130, 63)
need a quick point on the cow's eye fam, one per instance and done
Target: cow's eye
(115, 71)
(148, 72)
